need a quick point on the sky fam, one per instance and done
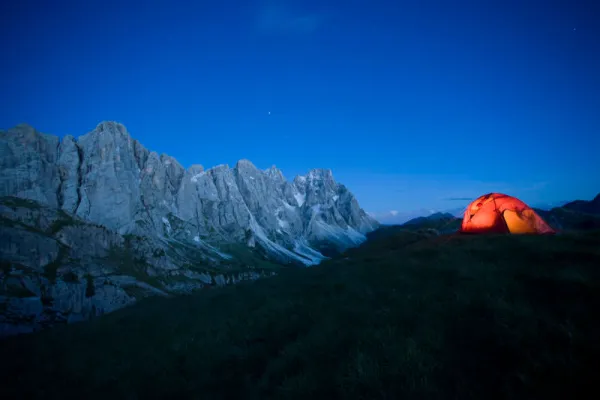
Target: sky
(412, 104)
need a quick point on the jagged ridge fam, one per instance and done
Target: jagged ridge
(108, 178)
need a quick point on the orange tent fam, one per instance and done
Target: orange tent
(499, 213)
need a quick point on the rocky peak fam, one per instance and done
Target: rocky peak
(275, 173)
(218, 168)
(319, 174)
(245, 163)
(111, 127)
(318, 177)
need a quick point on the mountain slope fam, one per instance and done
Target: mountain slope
(107, 178)
(588, 207)
(57, 268)
(419, 318)
(576, 215)
(91, 225)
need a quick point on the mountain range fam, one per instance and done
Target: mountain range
(403, 217)
(92, 224)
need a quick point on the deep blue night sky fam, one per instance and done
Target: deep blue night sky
(410, 103)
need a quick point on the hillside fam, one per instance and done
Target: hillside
(56, 268)
(415, 316)
(578, 215)
(584, 206)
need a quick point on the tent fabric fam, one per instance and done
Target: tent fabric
(500, 213)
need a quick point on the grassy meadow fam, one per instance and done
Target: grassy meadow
(407, 315)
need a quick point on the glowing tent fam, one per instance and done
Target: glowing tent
(499, 213)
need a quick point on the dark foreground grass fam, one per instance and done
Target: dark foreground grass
(451, 318)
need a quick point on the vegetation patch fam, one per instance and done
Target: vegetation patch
(9, 223)
(70, 277)
(128, 263)
(158, 253)
(5, 267)
(51, 269)
(18, 291)
(16, 202)
(63, 221)
(90, 290)
(136, 292)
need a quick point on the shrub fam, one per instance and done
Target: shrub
(70, 277)
(90, 291)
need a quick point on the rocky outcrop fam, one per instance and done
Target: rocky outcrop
(56, 268)
(28, 165)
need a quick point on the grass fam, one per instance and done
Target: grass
(51, 269)
(465, 317)
(70, 277)
(244, 258)
(15, 202)
(63, 221)
(18, 291)
(136, 292)
(127, 263)
(9, 223)
(5, 267)
(90, 291)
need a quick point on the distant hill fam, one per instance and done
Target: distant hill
(437, 223)
(576, 215)
(438, 216)
(440, 222)
(402, 217)
(548, 205)
(584, 206)
(562, 219)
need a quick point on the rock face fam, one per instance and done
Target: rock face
(28, 165)
(90, 224)
(110, 179)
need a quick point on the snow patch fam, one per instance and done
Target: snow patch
(218, 167)
(336, 197)
(210, 248)
(302, 248)
(300, 198)
(167, 224)
(272, 246)
(288, 206)
(197, 176)
(355, 235)
(348, 236)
